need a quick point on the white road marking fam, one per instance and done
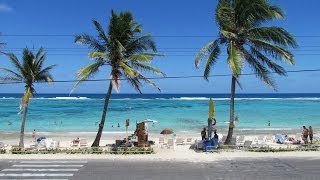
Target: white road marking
(35, 174)
(45, 165)
(34, 179)
(41, 170)
(53, 162)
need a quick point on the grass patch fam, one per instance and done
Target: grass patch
(267, 149)
(94, 150)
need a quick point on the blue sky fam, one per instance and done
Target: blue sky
(160, 18)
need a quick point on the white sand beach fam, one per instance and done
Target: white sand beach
(178, 153)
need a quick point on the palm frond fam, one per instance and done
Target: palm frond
(272, 65)
(276, 35)
(145, 67)
(212, 59)
(272, 50)
(128, 71)
(261, 71)
(90, 41)
(234, 59)
(145, 79)
(135, 83)
(86, 72)
(15, 75)
(14, 60)
(206, 51)
(93, 55)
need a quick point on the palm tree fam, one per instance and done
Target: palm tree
(124, 50)
(29, 70)
(242, 32)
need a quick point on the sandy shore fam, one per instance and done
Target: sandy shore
(179, 153)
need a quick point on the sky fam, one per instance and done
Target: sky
(180, 29)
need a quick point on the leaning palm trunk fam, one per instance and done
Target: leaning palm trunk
(103, 118)
(23, 122)
(231, 125)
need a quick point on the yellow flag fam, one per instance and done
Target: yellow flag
(211, 109)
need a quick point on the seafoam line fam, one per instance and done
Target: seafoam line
(35, 174)
(53, 162)
(40, 170)
(47, 165)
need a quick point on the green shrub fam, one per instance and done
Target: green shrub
(3, 151)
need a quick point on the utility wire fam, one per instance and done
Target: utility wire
(160, 36)
(165, 55)
(167, 77)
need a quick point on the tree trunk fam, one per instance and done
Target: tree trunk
(23, 122)
(231, 125)
(103, 118)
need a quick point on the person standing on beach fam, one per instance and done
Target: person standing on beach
(34, 135)
(203, 134)
(310, 134)
(305, 133)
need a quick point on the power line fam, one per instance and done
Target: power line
(158, 36)
(166, 55)
(85, 48)
(167, 77)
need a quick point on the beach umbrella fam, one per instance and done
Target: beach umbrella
(210, 118)
(167, 131)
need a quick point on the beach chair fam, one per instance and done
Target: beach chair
(83, 143)
(223, 139)
(246, 145)
(188, 141)
(170, 144)
(260, 139)
(42, 144)
(240, 140)
(75, 143)
(269, 139)
(162, 142)
(199, 145)
(179, 141)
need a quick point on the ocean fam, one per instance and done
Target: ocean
(181, 112)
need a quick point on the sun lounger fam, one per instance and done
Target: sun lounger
(162, 142)
(241, 139)
(188, 141)
(223, 139)
(246, 145)
(83, 143)
(199, 145)
(260, 139)
(179, 141)
(269, 139)
(170, 144)
(75, 143)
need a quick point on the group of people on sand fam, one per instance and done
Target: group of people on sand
(307, 133)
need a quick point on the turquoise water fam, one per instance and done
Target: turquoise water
(184, 113)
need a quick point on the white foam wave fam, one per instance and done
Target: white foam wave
(65, 98)
(191, 98)
(241, 99)
(178, 99)
(8, 98)
(265, 129)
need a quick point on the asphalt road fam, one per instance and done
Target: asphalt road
(272, 168)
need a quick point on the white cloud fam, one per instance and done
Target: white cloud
(5, 8)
